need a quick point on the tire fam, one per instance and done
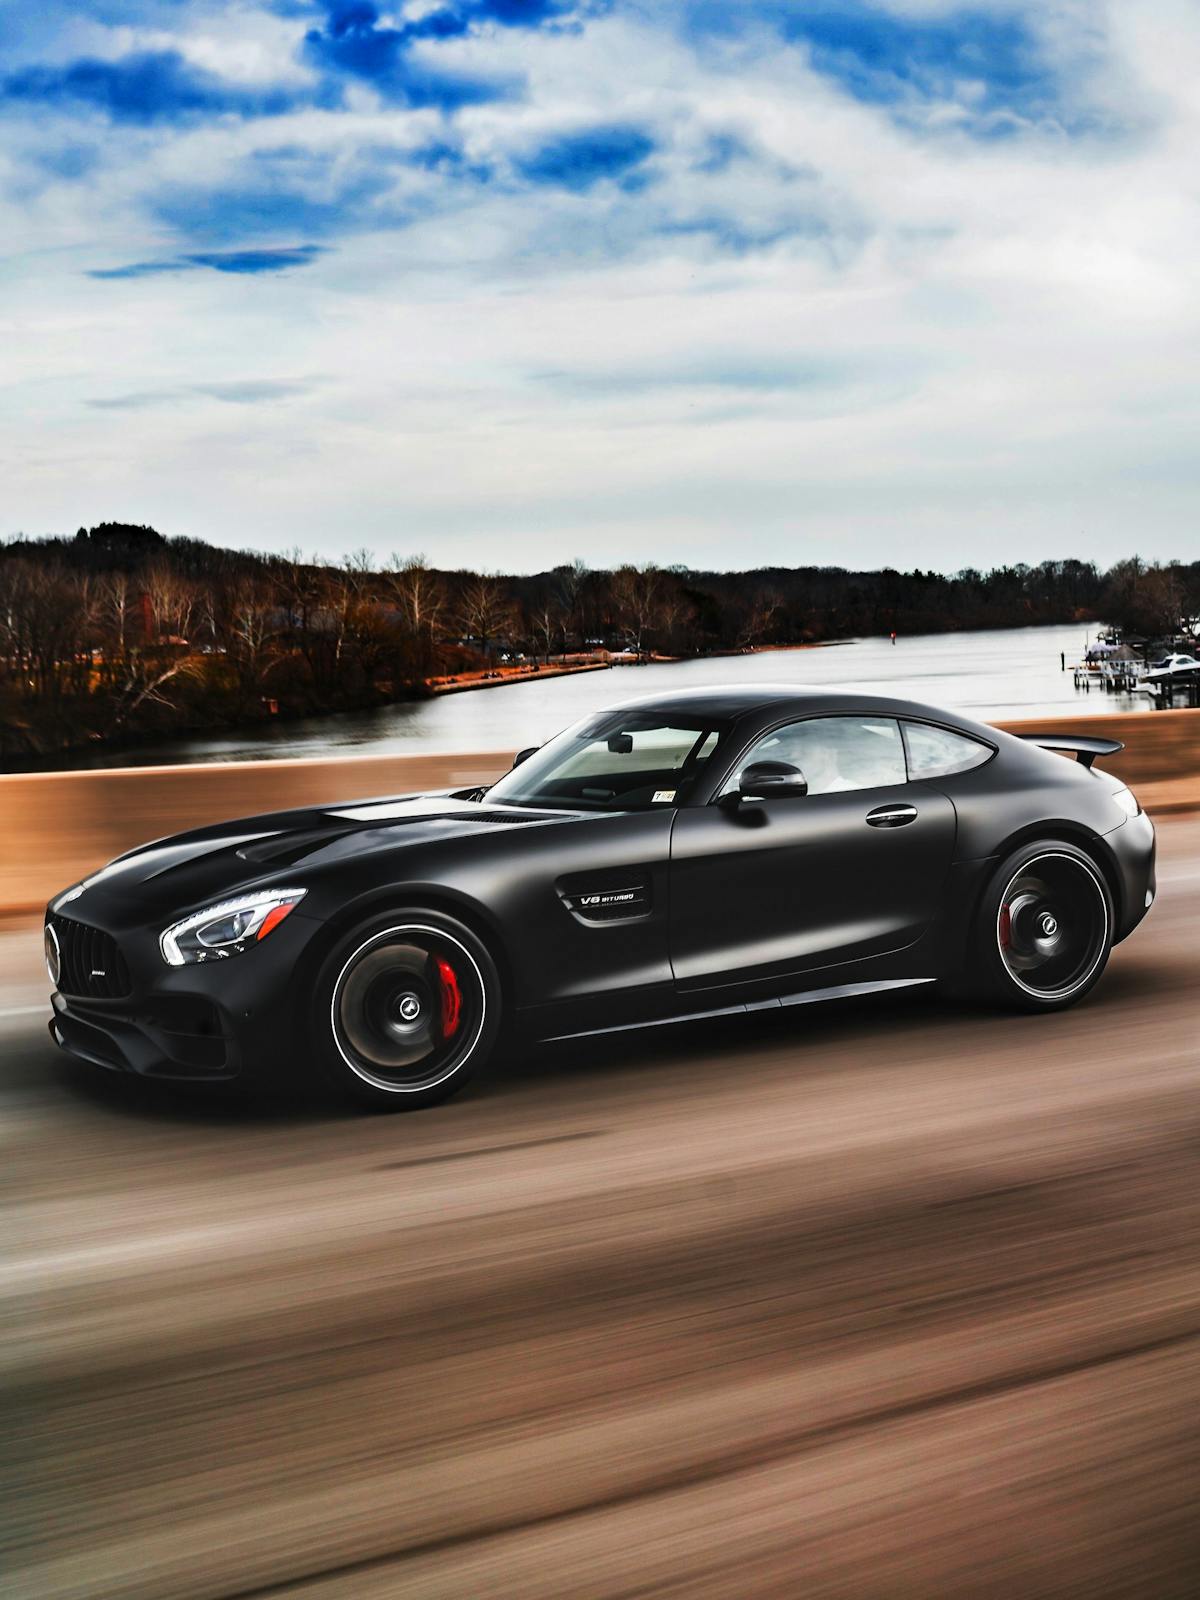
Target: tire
(1044, 928)
(406, 1010)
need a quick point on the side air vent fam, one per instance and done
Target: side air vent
(616, 897)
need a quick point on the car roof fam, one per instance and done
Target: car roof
(723, 701)
(732, 703)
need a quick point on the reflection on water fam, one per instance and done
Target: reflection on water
(990, 675)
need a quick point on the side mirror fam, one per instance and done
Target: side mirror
(524, 755)
(771, 780)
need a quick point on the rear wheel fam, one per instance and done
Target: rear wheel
(407, 1010)
(1045, 927)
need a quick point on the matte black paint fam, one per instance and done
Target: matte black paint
(778, 888)
(729, 905)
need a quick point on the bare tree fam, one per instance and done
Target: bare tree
(1146, 599)
(303, 591)
(117, 603)
(342, 588)
(47, 618)
(636, 592)
(172, 601)
(547, 622)
(485, 611)
(676, 614)
(419, 595)
(252, 628)
(757, 617)
(373, 634)
(145, 677)
(572, 593)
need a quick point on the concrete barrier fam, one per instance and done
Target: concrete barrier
(1161, 747)
(56, 827)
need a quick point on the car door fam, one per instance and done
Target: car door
(764, 890)
(582, 899)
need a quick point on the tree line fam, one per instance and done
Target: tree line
(121, 633)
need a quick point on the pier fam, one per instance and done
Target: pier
(1113, 677)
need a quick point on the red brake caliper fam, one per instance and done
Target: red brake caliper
(1005, 927)
(451, 999)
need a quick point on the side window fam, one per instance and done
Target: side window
(834, 753)
(936, 752)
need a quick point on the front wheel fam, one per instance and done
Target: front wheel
(407, 1009)
(1045, 928)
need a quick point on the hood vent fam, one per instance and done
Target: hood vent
(286, 848)
(503, 816)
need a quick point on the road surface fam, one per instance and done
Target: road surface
(885, 1301)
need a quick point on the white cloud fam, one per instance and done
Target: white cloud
(849, 341)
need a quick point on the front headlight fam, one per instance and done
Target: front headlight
(1127, 801)
(229, 928)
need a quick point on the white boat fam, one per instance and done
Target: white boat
(1170, 669)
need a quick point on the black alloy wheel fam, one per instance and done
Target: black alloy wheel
(408, 1010)
(1045, 928)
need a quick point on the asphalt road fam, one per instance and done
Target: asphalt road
(889, 1301)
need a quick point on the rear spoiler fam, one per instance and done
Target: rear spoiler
(1083, 748)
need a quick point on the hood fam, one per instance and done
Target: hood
(207, 863)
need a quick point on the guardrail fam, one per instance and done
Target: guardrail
(56, 827)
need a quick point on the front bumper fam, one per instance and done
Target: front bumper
(212, 1022)
(194, 1043)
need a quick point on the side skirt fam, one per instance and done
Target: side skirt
(804, 997)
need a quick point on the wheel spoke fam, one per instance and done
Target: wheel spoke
(1052, 926)
(407, 1007)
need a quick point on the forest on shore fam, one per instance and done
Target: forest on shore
(120, 634)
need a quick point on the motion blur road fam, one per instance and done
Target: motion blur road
(890, 1301)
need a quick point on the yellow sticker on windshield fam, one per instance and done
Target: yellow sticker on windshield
(663, 797)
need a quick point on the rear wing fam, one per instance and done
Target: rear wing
(1081, 746)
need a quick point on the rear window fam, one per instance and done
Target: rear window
(936, 752)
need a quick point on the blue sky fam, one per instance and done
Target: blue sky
(510, 281)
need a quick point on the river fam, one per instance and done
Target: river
(992, 675)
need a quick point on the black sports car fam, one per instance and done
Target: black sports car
(704, 853)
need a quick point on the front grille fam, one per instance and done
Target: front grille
(92, 963)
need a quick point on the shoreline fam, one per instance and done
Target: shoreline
(461, 684)
(326, 728)
(493, 678)
(20, 764)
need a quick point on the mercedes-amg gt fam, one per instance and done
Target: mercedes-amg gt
(691, 856)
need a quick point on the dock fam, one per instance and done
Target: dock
(1111, 677)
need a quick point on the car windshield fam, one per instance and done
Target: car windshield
(621, 761)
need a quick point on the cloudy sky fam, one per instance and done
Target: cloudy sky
(510, 281)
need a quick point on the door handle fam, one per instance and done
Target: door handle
(891, 816)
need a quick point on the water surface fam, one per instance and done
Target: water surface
(992, 675)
